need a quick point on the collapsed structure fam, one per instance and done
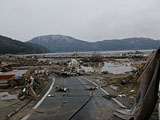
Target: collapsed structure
(148, 92)
(29, 81)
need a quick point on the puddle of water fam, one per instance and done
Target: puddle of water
(7, 96)
(110, 67)
(87, 69)
(116, 68)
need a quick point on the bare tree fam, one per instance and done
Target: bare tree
(96, 57)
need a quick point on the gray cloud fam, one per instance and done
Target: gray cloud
(90, 20)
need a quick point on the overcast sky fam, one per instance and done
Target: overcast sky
(90, 20)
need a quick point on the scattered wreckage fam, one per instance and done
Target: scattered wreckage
(147, 97)
(29, 83)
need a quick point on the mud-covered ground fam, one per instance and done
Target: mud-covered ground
(117, 76)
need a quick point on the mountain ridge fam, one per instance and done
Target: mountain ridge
(10, 46)
(62, 43)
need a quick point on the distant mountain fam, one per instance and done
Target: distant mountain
(128, 44)
(60, 43)
(10, 46)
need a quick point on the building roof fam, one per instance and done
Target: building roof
(10, 74)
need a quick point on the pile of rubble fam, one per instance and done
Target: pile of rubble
(28, 82)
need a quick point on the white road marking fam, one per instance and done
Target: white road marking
(42, 99)
(115, 100)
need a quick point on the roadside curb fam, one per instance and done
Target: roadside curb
(18, 109)
(27, 102)
(40, 101)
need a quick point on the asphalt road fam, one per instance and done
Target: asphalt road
(75, 104)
